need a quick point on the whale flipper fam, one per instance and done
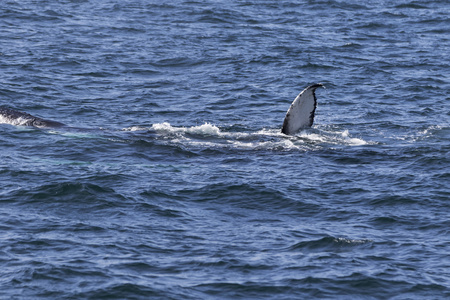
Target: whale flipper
(18, 118)
(301, 112)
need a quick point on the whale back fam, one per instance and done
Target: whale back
(18, 118)
(301, 112)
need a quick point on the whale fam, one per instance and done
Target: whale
(18, 118)
(300, 114)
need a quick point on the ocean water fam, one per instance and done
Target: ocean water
(176, 183)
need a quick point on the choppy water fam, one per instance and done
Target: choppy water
(183, 187)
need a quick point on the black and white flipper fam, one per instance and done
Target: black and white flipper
(301, 113)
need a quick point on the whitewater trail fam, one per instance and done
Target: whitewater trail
(209, 135)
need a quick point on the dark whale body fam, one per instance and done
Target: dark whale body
(14, 117)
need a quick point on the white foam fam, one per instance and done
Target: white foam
(136, 128)
(269, 139)
(164, 127)
(330, 137)
(419, 135)
(429, 130)
(206, 129)
(352, 141)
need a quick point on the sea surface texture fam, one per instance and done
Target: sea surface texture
(174, 181)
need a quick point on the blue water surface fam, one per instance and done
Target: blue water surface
(175, 181)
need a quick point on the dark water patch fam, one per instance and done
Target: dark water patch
(412, 4)
(161, 211)
(163, 149)
(81, 196)
(361, 285)
(95, 74)
(160, 195)
(362, 156)
(214, 17)
(441, 228)
(330, 244)
(397, 200)
(176, 62)
(241, 290)
(247, 197)
(409, 220)
(131, 290)
(144, 72)
(34, 245)
(385, 221)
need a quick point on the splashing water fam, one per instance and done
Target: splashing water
(209, 135)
